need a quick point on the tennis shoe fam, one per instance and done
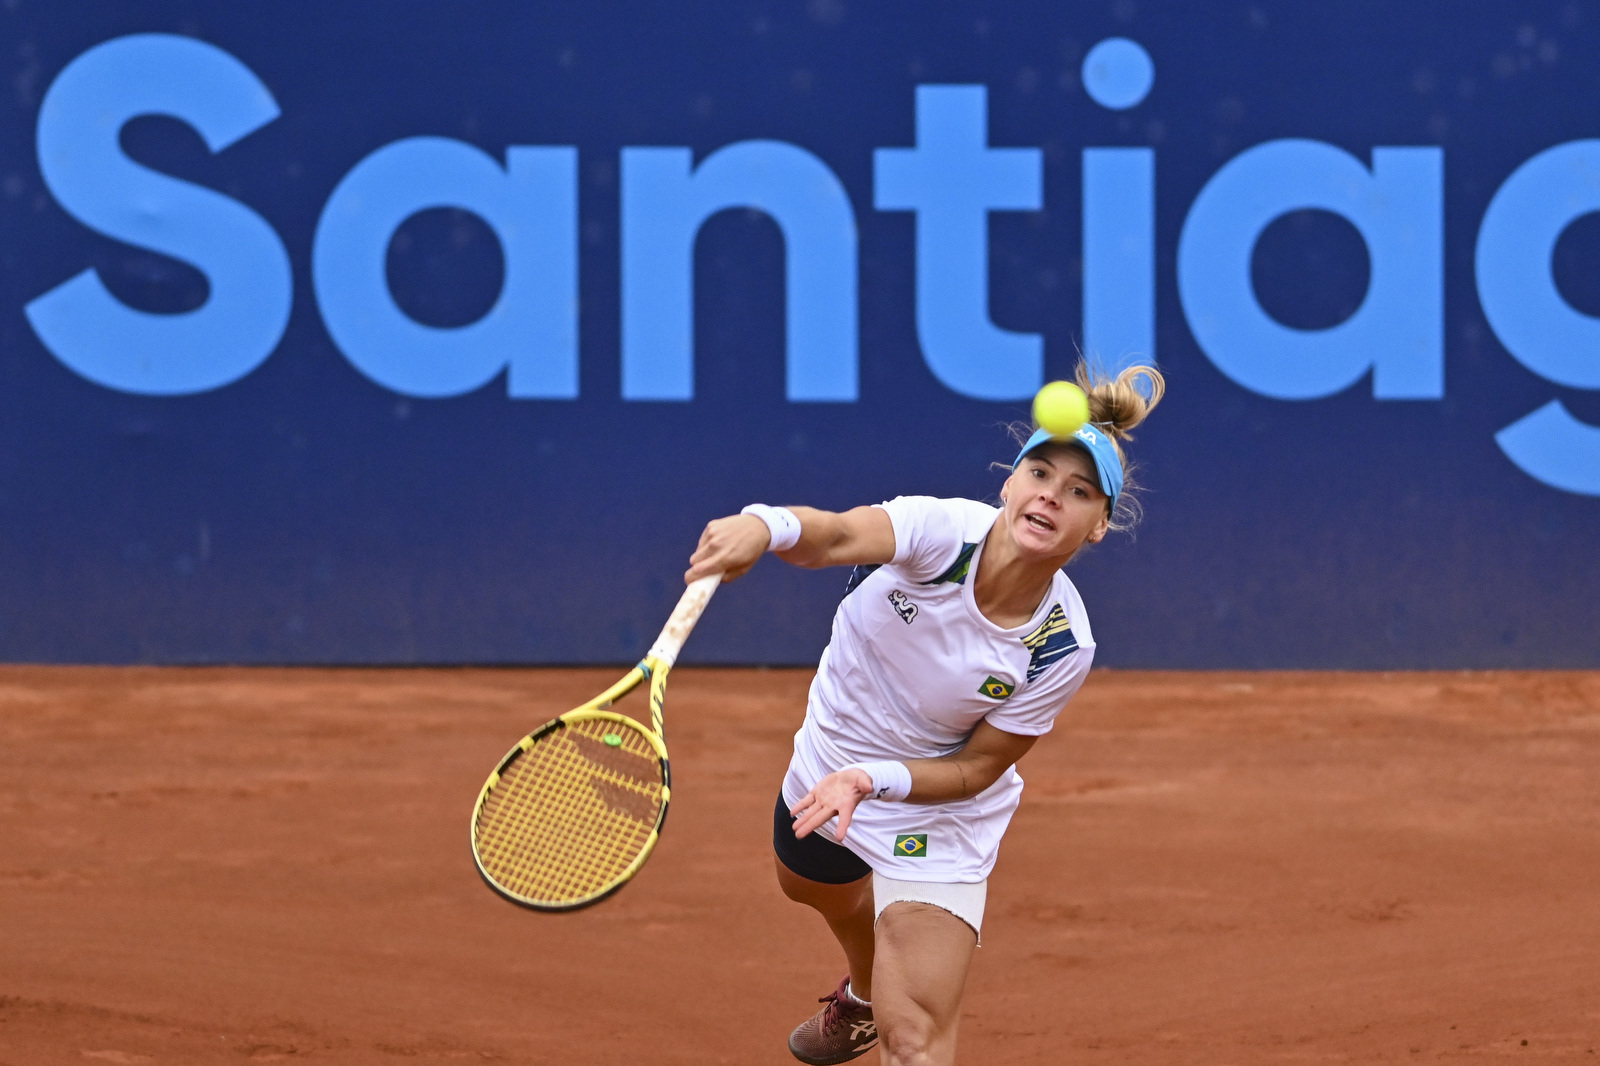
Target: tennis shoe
(840, 1031)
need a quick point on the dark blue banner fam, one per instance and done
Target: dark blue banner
(426, 332)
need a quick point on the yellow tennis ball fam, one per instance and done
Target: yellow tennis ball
(1061, 407)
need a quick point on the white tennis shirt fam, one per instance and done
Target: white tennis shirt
(911, 669)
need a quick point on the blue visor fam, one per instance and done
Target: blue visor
(1100, 449)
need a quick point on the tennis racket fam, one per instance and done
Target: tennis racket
(574, 810)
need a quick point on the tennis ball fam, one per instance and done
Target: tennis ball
(1061, 407)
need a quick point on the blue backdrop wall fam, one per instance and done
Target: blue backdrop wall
(449, 365)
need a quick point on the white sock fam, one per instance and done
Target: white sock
(850, 993)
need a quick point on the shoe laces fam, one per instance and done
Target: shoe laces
(837, 1004)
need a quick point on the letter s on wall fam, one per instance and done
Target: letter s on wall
(83, 166)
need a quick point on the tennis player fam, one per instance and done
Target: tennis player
(958, 642)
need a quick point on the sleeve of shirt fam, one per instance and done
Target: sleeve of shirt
(1033, 710)
(927, 536)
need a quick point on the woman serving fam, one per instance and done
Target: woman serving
(957, 644)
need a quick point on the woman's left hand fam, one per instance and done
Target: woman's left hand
(836, 794)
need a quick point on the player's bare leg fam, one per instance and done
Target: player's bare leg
(923, 953)
(847, 909)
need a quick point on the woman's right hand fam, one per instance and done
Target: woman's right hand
(729, 546)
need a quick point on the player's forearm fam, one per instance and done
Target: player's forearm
(951, 777)
(956, 776)
(827, 538)
(988, 753)
(821, 533)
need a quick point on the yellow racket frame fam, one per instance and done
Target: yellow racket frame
(653, 668)
(595, 710)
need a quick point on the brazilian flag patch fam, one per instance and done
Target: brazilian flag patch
(995, 689)
(911, 845)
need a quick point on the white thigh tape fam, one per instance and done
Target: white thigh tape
(963, 899)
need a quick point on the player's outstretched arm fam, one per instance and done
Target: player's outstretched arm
(857, 537)
(731, 546)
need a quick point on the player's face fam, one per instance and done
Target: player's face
(1054, 503)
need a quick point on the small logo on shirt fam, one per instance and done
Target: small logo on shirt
(995, 689)
(911, 845)
(902, 606)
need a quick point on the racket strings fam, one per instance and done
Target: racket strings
(570, 816)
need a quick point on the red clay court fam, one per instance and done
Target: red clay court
(252, 865)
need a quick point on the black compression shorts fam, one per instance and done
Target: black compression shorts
(814, 857)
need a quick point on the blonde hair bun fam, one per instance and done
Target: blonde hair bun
(1118, 404)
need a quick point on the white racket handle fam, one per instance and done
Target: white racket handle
(690, 606)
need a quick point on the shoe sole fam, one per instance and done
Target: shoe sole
(833, 1062)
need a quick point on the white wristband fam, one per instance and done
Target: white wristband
(890, 780)
(781, 522)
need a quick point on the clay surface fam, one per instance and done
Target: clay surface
(248, 865)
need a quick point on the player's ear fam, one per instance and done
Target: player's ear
(1101, 528)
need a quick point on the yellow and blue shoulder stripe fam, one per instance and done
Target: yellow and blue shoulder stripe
(1051, 642)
